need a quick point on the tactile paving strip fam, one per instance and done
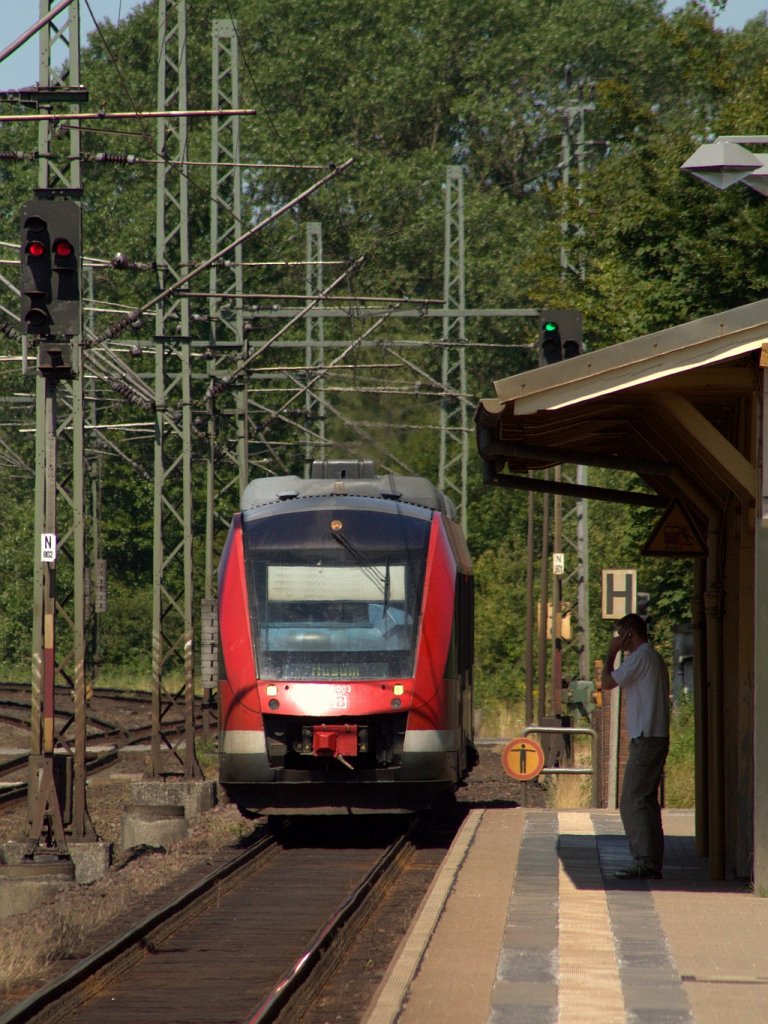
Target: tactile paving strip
(527, 973)
(579, 946)
(589, 970)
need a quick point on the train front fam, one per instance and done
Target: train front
(340, 691)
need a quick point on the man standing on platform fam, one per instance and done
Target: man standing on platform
(644, 682)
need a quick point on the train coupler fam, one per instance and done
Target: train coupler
(338, 741)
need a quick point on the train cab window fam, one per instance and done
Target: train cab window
(335, 594)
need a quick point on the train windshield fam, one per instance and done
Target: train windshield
(335, 594)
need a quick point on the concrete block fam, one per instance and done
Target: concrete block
(16, 851)
(158, 825)
(195, 795)
(91, 860)
(25, 886)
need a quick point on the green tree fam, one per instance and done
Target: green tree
(16, 558)
(406, 90)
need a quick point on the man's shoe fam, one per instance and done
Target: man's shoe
(637, 871)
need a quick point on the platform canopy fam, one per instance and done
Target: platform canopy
(682, 409)
(661, 405)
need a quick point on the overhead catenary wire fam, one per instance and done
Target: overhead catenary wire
(269, 119)
(222, 383)
(145, 132)
(322, 372)
(243, 56)
(133, 115)
(105, 372)
(173, 288)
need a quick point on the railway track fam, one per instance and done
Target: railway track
(104, 728)
(245, 943)
(124, 738)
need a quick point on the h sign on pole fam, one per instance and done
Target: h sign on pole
(619, 592)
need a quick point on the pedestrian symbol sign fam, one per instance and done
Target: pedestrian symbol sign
(523, 759)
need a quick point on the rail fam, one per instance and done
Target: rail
(270, 1008)
(68, 991)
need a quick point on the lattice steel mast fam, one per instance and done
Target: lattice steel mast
(454, 414)
(314, 429)
(225, 321)
(59, 473)
(172, 618)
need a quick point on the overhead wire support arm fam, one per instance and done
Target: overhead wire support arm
(123, 115)
(14, 46)
(132, 317)
(274, 296)
(129, 158)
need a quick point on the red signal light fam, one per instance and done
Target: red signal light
(63, 248)
(49, 278)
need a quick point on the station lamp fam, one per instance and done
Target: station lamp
(726, 161)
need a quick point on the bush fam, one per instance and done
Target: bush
(126, 627)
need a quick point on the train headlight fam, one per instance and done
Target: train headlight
(274, 704)
(398, 689)
(271, 690)
(396, 702)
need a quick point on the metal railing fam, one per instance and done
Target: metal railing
(569, 730)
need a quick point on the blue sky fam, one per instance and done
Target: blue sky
(21, 68)
(18, 15)
(737, 12)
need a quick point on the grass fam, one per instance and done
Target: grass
(679, 774)
(498, 720)
(569, 792)
(132, 678)
(502, 721)
(121, 678)
(207, 752)
(46, 936)
(573, 792)
(10, 672)
(66, 927)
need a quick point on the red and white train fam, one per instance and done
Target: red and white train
(345, 638)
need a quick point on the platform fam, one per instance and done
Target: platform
(525, 923)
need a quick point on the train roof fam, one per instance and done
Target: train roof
(347, 478)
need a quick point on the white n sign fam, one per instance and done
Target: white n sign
(619, 592)
(47, 547)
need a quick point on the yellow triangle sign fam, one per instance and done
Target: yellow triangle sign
(675, 535)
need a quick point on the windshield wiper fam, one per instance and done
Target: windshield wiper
(370, 571)
(387, 589)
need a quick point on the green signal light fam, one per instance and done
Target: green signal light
(550, 326)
